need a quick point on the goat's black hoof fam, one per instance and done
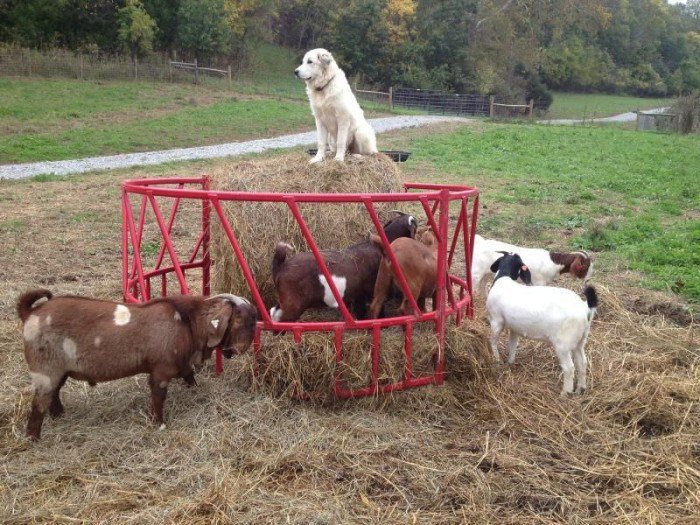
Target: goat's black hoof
(56, 412)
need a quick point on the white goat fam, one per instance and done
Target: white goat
(545, 313)
(544, 265)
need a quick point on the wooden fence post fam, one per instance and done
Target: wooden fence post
(196, 72)
(136, 68)
(491, 98)
(81, 67)
(170, 71)
(532, 106)
(229, 76)
(391, 98)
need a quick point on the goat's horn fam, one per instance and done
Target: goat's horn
(238, 301)
(583, 252)
(397, 211)
(501, 251)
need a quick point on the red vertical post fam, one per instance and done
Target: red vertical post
(442, 283)
(376, 334)
(206, 237)
(125, 247)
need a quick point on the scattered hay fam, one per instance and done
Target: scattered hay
(260, 226)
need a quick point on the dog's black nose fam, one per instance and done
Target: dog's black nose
(296, 72)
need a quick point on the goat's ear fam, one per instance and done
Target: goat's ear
(525, 275)
(496, 264)
(325, 57)
(218, 320)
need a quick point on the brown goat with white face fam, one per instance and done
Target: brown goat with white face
(418, 261)
(94, 340)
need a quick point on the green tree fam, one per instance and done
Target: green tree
(136, 28)
(203, 28)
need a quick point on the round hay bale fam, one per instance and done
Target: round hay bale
(309, 368)
(259, 226)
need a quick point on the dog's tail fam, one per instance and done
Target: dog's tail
(25, 303)
(279, 257)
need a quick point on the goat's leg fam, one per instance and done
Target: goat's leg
(40, 403)
(512, 346)
(159, 390)
(581, 365)
(56, 409)
(496, 327)
(421, 303)
(188, 377)
(567, 368)
(381, 288)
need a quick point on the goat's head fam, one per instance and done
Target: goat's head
(511, 265)
(230, 324)
(581, 266)
(403, 225)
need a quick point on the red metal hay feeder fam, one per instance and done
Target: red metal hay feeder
(454, 287)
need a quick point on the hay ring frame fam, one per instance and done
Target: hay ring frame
(453, 295)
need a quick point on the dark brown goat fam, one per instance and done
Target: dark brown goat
(301, 285)
(94, 340)
(418, 262)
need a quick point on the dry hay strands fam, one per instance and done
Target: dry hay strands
(307, 370)
(260, 226)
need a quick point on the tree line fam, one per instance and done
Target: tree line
(505, 47)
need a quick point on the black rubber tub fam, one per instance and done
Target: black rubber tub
(396, 156)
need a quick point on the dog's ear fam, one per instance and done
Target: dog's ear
(325, 57)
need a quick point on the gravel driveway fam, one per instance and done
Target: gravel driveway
(622, 117)
(68, 167)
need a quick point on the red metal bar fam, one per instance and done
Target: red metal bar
(125, 248)
(169, 245)
(442, 284)
(338, 344)
(219, 362)
(206, 238)
(376, 335)
(408, 347)
(135, 248)
(139, 231)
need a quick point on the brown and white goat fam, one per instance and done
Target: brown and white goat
(94, 340)
(545, 266)
(300, 284)
(418, 262)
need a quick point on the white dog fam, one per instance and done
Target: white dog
(340, 122)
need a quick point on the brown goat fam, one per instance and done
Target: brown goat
(301, 285)
(94, 340)
(418, 262)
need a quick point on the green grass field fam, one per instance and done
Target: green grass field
(632, 197)
(587, 106)
(62, 119)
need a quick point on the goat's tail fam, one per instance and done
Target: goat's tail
(26, 302)
(279, 257)
(591, 300)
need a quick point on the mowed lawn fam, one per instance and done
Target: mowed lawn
(632, 198)
(596, 105)
(62, 119)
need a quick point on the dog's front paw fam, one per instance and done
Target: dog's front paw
(316, 159)
(339, 158)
